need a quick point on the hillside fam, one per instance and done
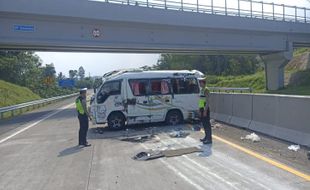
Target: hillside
(11, 94)
(297, 77)
(255, 81)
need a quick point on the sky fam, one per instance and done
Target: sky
(96, 64)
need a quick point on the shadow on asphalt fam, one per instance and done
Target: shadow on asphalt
(69, 151)
(131, 130)
(207, 150)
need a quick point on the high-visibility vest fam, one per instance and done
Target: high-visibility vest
(79, 106)
(202, 100)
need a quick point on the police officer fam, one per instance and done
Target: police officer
(205, 116)
(202, 99)
(83, 116)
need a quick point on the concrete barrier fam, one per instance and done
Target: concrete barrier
(221, 108)
(242, 110)
(281, 116)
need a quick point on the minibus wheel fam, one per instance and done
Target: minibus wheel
(116, 121)
(174, 117)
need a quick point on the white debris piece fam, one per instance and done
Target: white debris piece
(212, 121)
(294, 147)
(217, 126)
(179, 134)
(253, 137)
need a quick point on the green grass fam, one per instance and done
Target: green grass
(255, 81)
(300, 51)
(11, 94)
(293, 90)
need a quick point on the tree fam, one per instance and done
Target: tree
(60, 76)
(72, 74)
(81, 73)
(22, 68)
(210, 64)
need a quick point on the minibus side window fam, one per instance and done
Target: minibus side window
(138, 87)
(185, 86)
(159, 86)
(108, 89)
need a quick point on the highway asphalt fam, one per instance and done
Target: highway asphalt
(38, 150)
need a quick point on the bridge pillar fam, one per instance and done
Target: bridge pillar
(274, 69)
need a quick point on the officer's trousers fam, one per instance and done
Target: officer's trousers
(207, 126)
(83, 120)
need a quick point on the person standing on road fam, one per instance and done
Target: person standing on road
(202, 99)
(83, 117)
(205, 118)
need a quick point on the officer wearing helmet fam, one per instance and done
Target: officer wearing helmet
(83, 117)
(204, 111)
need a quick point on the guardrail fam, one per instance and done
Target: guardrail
(36, 103)
(228, 89)
(240, 8)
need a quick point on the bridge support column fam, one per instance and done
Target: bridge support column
(274, 69)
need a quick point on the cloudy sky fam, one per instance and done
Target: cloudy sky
(97, 64)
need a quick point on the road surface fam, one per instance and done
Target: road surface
(39, 151)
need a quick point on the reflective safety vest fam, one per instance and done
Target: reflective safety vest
(202, 100)
(79, 106)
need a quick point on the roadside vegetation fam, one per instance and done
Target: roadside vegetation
(243, 71)
(11, 94)
(24, 78)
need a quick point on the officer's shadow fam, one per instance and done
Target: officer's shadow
(70, 150)
(206, 150)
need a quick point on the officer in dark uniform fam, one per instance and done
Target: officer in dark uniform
(205, 119)
(83, 117)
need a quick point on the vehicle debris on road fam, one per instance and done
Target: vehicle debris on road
(137, 138)
(294, 147)
(143, 156)
(150, 155)
(217, 126)
(178, 134)
(253, 137)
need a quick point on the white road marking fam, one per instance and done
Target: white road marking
(178, 172)
(35, 123)
(201, 167)
(193, 142)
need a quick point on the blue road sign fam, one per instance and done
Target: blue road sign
(66, 83)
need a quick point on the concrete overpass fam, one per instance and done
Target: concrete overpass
(157, 26)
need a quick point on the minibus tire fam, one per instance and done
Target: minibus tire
(116, 121)
(174, 117)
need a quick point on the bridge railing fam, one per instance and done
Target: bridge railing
(240, 8)
(27, 105)
(229, 89)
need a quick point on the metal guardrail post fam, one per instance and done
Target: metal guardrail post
(226, 7)
(305, 14)
(295, 14)
(165, 4)
(251, 9)
(239, 8)
(273, 11)
(283, 12)
(197, 6)
(212, 10)
(262, 10)
(147, 3)
(181, 5)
